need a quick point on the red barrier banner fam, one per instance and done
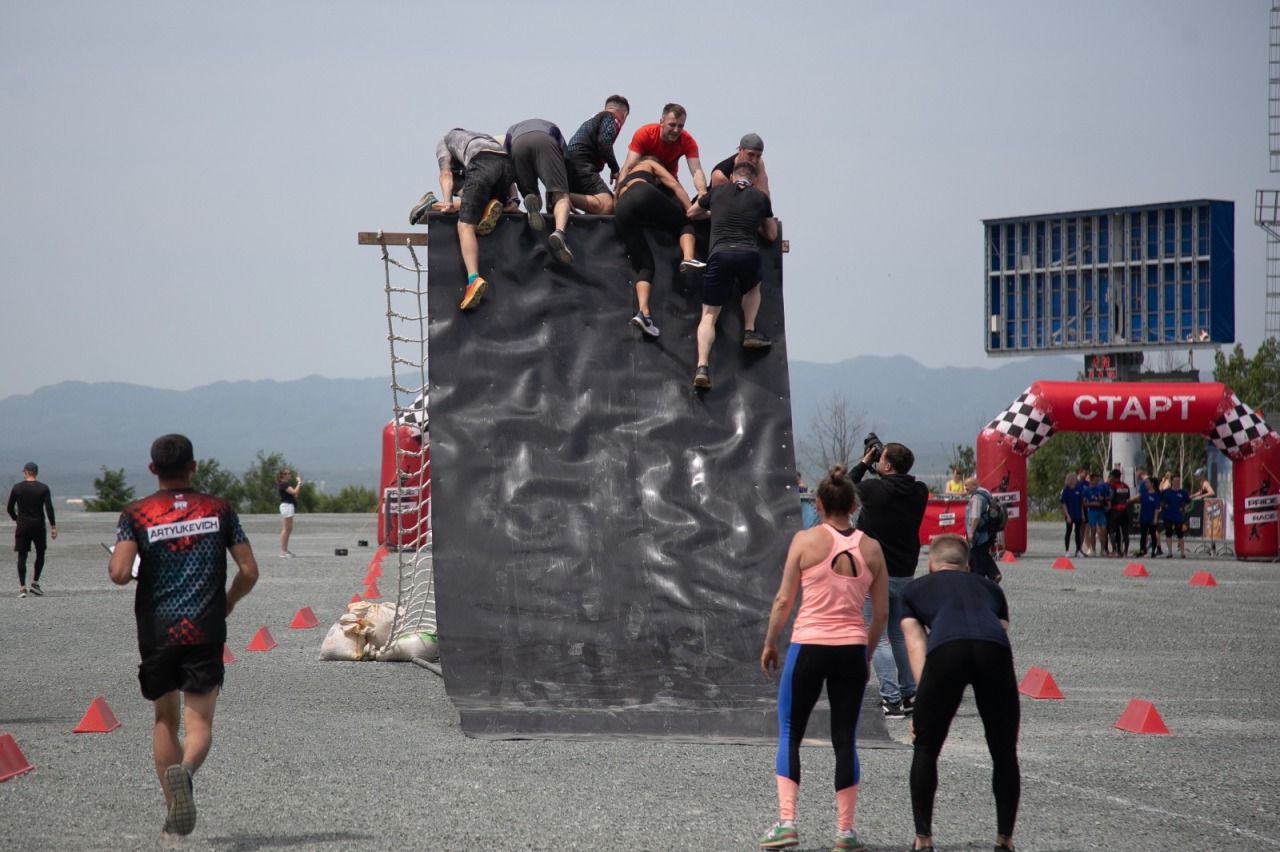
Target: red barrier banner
(1132, 406)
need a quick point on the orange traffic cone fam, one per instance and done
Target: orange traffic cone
(304, 618)
(1135, 569)
(371, 591)
(12, 762)
(1062, 563)
(1008, 556)
(355, 598)
(261, 640)
(1141, 717)
(1039, 684)
(98, 719)
(1202, 578)
(227, 656)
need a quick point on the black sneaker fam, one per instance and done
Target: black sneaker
(645, 324)
(908, 705)
(559, 248)
(892, 709)
(752, 339)
(692, 265)
(418, 213)
(533, 207)
(702, 377)
(36, 590)
(182, 808)
(22, 592)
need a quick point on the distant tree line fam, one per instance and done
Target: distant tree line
(252, 493)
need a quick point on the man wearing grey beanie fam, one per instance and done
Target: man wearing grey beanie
(750, 150)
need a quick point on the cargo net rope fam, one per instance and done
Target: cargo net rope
(405, 497)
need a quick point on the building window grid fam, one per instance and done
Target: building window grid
(1078, 303)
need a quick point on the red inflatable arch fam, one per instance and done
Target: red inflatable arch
(1208, 409)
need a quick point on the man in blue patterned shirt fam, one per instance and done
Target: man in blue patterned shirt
(590, 149)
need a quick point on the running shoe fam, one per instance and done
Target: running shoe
(908, 705)
(418, 213)
(36, 590)
(645, 324)
(752, 339)
(559, 248)
(489, 220)
(892, 709)
(473, 294)
(182, 808)
(702, 377)
(288, 554)
(691, 265)
(1169, 555)
(22, 592)
(780, 837)
(533, 207)
(848, 843)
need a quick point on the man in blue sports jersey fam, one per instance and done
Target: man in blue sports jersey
(181, 606)
(1174, 501)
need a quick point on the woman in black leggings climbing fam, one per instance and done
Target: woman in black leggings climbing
(967, 619)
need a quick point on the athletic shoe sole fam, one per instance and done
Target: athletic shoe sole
(489, 220)
(649, 330)
(560, 248)
(702, 380)
(37, 591)
(533, 206)
(692, 265)
(473, 295)
(756, 343)
(182, 810)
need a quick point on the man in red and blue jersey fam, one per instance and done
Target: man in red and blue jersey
(181, 606)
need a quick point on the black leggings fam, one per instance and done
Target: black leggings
(988, 667)
(1150, 531)
(1118, 527)
(645, 206)
(843, 668)
(1078, 526)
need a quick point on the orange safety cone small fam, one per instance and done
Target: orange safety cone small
(227, 656)
(1135, 569)
(12, 761)
(261, 640)
(1140, 717)
(98, 719)
(1038, 683)
(371, 591)
(355, 598)
(1062, 563)
(371, 576)
(1202, 578)
(305, 618)
(1008, 557)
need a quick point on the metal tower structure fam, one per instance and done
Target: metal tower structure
(1267, 207)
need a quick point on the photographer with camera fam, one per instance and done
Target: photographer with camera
(893, 505)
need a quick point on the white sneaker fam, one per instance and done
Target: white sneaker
(288, 554)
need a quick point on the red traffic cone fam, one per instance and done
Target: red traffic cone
(1062, 563)
(98, 719)
(355, 598)
(1202, 578)
(12, 762)
(261, 640)
(1141, 717)
(1008, 556)
(227, 656)
(372, 575)
(304, 618)
(1039, 684)
(1135, 569)
(371, 591)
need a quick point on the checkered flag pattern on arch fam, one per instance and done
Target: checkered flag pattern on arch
(1025, 422)
(1237, 428)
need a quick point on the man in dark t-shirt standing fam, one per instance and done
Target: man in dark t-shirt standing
(750, 150)
(740, 213)
(181, 606)
(29, 502)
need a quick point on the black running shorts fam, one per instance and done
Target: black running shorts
(489, 176)
(726, 267)
(189, 668)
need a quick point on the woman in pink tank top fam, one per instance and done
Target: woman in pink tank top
(834, 569)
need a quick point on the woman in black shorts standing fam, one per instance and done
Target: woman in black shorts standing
(967, 619)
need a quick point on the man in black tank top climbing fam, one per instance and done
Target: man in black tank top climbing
(740, 214)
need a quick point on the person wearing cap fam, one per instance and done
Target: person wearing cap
(29, 502)
(750, 150)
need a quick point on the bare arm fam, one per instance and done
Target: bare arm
(782, 603)
(879, 591)
(769, 229)
(245, 578)
(762, 179)
(699, 178)
(718, 178)
(446, 190)
(917, 646)
(120, 565)
(296, 487)
(671, 183)
(628, 164)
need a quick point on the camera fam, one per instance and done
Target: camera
(874, 445)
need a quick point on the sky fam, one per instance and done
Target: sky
(181, 183)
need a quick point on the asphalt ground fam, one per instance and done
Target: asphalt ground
(361, 756)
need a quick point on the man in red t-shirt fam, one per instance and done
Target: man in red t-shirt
(668, 141)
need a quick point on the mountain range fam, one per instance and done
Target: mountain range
(329, 429)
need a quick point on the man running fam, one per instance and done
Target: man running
(181, 606)
(29, 502)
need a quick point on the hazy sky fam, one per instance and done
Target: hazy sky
(181, 183)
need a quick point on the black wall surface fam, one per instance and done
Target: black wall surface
(607, 540)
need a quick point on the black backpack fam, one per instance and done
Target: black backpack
(996, 516)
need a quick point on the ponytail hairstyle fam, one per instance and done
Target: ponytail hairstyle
(836, 492)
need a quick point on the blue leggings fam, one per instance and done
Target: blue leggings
(843, 668)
